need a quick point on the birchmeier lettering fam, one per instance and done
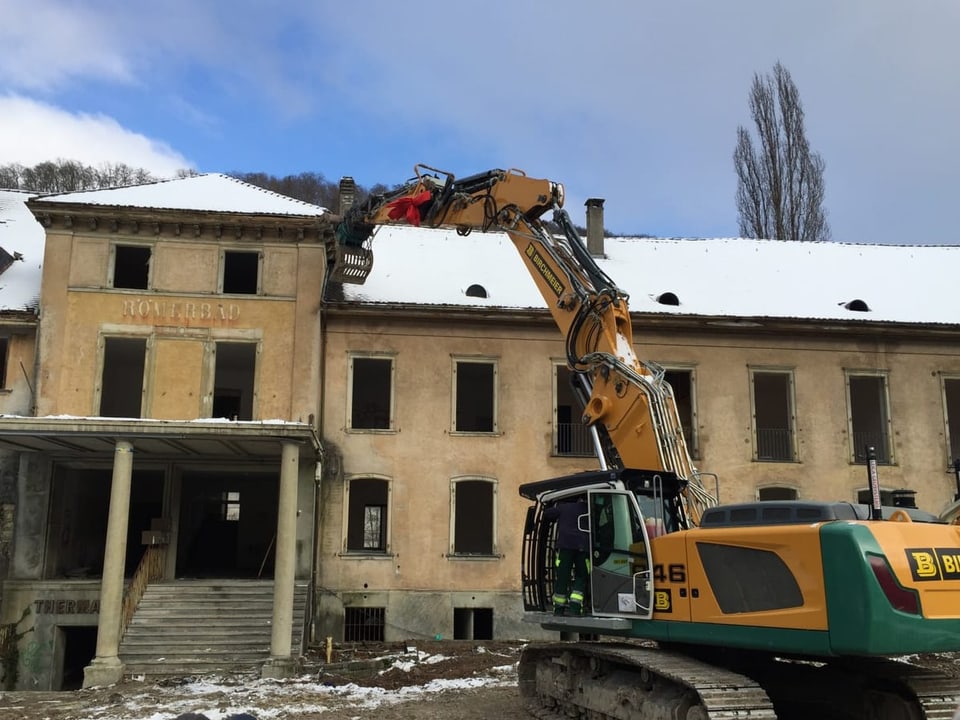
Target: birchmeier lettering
(163, 310)
(66, 607)
(540, 264)
(934, 563)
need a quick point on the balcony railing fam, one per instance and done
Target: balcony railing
(573, 440)
(877, 439)
(775, 445)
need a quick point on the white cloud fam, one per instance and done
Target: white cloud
(32, 132)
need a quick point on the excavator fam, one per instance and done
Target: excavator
(694, 610)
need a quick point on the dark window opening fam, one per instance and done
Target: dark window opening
(682, 383)
(951, 398)
(857, 306)
(367, 515)
(234, 380)
(363, 624)
(477, 291)
(4, 352)
(473, 521)
(475, 397)
(131, 267)
(371, 393)
(773, 416)
(473, 623)
(869, 417)
(573, 437)
(79, 649)
(241, 272)
(668, 298)
(767, 494)
(865, 497)
(121, 387)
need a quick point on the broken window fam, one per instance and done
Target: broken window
(241, 272)
(475, 396)
(682, 382)
(131, 266)
(869, 416)
(367, 515)
(474, 520)
(121, 382)
(776, 492)
(773, 422)
(371, 393)
(234, 380)
(951, 414)
(570, 436)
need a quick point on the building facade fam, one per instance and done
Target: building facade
(187, 382)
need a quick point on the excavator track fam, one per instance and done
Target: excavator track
(628, 682)
(622, 681)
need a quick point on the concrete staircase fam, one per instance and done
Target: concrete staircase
(195, 627)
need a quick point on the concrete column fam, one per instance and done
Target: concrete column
(281, 664)
(106, 668)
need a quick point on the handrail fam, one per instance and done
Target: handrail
(150, 568)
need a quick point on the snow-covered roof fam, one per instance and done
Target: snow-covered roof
(22, 237)
(211, 192)
(724, 278)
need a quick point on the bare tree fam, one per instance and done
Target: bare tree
(780, 183)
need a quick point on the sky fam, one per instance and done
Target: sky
(632, 101)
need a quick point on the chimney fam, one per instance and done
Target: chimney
(595, 226)
(348, 194)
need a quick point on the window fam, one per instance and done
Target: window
(951, 416)
(570, 436)
(230, 506)
(683, 383)
(363, 624)
(865, 497)
(475, 396)
(776, 492)
(121, 382)
(367, 515)
(773, 422)
(473, 529)
(4, 353)
(241, 272)
(869, 416)
(234, 380)
(371, 393)
(131, 266)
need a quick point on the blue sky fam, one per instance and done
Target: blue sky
(636, 102)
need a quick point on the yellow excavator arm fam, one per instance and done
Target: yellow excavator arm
(626, 401)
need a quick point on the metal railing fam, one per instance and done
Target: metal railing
(775, 444)
(573, 440)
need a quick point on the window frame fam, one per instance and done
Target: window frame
(495, 382)
(576, 428)
(369, 553)
(112, 271)
(952, 452)
(348, 420)
(147, 369)
(494, 553)
(791, 398)
(693, 439)
(780, 487)
(222, 275)
(886, 421)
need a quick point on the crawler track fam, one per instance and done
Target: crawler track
(624, 681)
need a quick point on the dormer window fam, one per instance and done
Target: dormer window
(668, 298)
(857, 306)
(477, 291)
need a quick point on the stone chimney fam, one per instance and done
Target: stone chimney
(595, 226)
(348, 193)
